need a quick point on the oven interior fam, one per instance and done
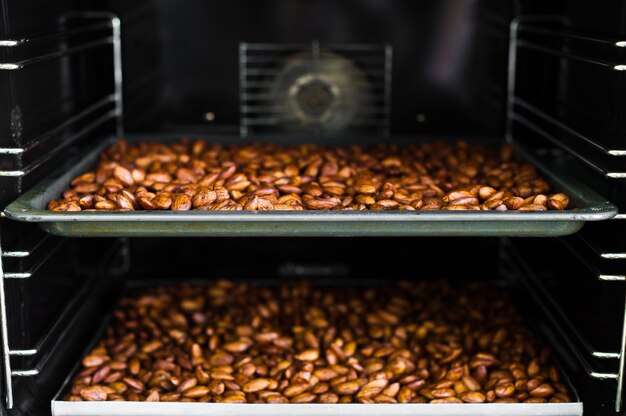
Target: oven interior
(444, 71)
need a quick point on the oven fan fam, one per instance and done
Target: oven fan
(321, 90)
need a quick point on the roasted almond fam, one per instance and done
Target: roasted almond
(94, 394)
(181, 202)
(196, 392)
(255, 385)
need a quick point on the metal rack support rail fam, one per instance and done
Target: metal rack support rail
(113, 22)
(103, 20)
(592, 247)
(515, 103)
(584, 258)
(4, 339)
(566, 330)
(26, 274)
(527, 114)
(20, 253)
(558, 316)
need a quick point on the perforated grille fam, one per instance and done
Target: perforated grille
(320, 89)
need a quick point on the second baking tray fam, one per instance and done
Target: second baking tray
(30, 207)
(61, 407)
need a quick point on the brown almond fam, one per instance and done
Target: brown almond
(93, 360)
(123, 175)
(204, 197)
(196, 392)
(133, 383)
(295, 389)
(181, 202)
(153, 397)
(303, 398)
(236, 346)
(255, 385)
(441, 393)
(94, 394)
(473, 397)
(347, 388)
(308, 355)
(544, 390)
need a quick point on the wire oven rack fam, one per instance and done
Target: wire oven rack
(535, 34)
(83, 122)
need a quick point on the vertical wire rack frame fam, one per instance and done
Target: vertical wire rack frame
(557, 133)
(103, 110)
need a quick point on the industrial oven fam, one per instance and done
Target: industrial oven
(118, 300)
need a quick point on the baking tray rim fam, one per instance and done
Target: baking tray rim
(25, 209)
(128, 408)
(582, 214)
(64, 408)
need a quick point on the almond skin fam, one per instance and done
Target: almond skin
(255, 385)
(93, 394)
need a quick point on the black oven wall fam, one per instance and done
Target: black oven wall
(449, 58)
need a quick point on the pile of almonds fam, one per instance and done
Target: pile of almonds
(427, 342)
(199, 175)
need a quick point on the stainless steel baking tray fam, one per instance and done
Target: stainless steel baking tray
(60, 408)
(30, 207)
(66, 408)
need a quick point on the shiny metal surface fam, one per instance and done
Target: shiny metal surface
(61, 408)
(4, 339)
